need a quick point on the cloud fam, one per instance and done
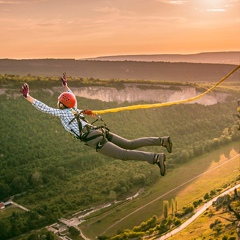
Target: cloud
(106, 10)
(175, 2)
(10, 2)
(20, 1)
(216, 10)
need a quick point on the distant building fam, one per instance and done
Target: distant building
(7, 204)
(2, 206)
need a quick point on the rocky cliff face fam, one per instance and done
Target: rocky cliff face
(134, 93)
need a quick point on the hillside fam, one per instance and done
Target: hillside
(163, 71)
(55, 176)
(205, 57)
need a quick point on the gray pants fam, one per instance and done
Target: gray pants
(117, 147)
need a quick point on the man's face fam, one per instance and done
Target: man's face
(60, 105)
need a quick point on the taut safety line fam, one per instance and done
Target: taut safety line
(156, 105)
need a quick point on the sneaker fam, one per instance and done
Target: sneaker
(167, 143)
(160, 161)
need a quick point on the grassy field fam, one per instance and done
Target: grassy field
(188, 183)
(6, 212)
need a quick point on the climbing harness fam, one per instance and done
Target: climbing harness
(77, 116)
(156, 105)
(84, 131)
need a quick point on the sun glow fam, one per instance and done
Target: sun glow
(215, 5)
(216, 10)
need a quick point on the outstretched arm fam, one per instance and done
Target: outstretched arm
(38, 104)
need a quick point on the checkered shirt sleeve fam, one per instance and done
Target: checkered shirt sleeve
(65, 116)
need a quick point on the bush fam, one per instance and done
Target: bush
(188, 209)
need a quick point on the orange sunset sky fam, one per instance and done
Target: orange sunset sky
(91, 28)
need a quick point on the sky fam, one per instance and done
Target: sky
(32, 29)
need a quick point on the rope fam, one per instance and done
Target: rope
(156, 105)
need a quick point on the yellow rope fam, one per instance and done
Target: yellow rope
(156, 105)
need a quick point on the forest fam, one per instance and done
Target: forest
(55, 175)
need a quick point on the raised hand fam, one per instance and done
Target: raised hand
(25, 90)
(64, 79)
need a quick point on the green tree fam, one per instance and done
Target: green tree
(176, 205)
(74, 231)
(19, 184)
(33, 236)
(5, 227)
(165, 208)
(206, 196)
(172, 206)
(185, 155)
(112, 195)
(36, 178)
(4, 190)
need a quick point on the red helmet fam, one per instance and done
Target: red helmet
(67, 99)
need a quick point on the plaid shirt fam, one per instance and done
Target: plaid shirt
(65, 115)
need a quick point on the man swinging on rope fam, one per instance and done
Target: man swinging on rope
(100, 138)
